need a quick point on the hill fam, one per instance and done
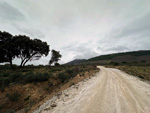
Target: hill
(142, 56)
(111, 56)
(76, 61)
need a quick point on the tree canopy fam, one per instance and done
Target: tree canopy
(55, 57)
(22, 47)
(7, 50)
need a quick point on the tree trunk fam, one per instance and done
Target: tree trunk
(49, 66)
(11, 65)
(25, 62)
(21, 64)
(10, 61)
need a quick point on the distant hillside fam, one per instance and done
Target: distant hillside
(76, 61)
(111, 56)
(124, 57)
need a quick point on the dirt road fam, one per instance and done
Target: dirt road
(110, 91)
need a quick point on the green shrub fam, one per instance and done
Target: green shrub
(54, 69)
(26, 109)
(4, 67)
(57, 64)
(27, 98)
(69, 71)
(4, 81)
(8, 111)
(7, 78)
(114, 63)
(37, 77)
(14, 97)
(63, 76)
(25, 70)
(14, 77)
(141, 77)
(6, 74)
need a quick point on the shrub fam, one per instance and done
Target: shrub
(141, 77)
(63, 76)
(27, 98)
(14, 97)
(143, 61)
(124, 62)
(69, 71)
(7, 78)
(77, 69)
(14, 77)
(57, 64)
(54, 69)
(4, 67)
(6, 74)
(26, 109)
(68, 74)
(37, 77)
(8, 111)
(4, 82)
(25, 70)
(114, 63)
(72, 72)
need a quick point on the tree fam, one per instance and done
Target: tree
(21, 47)
(55, 57)
(7, 48)
(57, 64)
(30, 49)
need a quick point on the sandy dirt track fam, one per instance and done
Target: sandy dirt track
(110, 91)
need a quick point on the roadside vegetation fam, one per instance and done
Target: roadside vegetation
(23, 89)
(142, 72)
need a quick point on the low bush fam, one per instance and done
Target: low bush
(37, 77)
(63, 76)
(4, 82)
(54, 69)
(25, 70)
(8, 111)
(27, 98)
(14, 97)
(68, 74)
(7, 78)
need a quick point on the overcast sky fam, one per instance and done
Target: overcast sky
(80, 28)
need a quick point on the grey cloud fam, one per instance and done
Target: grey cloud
(86, 55)
(8, 12)
(138, 26)
(34, 33)
(134, 35)
(81, 51)
(119, 48)
(131, 43)
(81, 48)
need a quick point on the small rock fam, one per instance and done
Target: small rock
(53, 105)
(60, 93)
(66, 95)
(48, 108)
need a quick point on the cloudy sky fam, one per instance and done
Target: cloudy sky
(80, 28)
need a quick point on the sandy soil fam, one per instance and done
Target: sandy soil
(110, 91)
